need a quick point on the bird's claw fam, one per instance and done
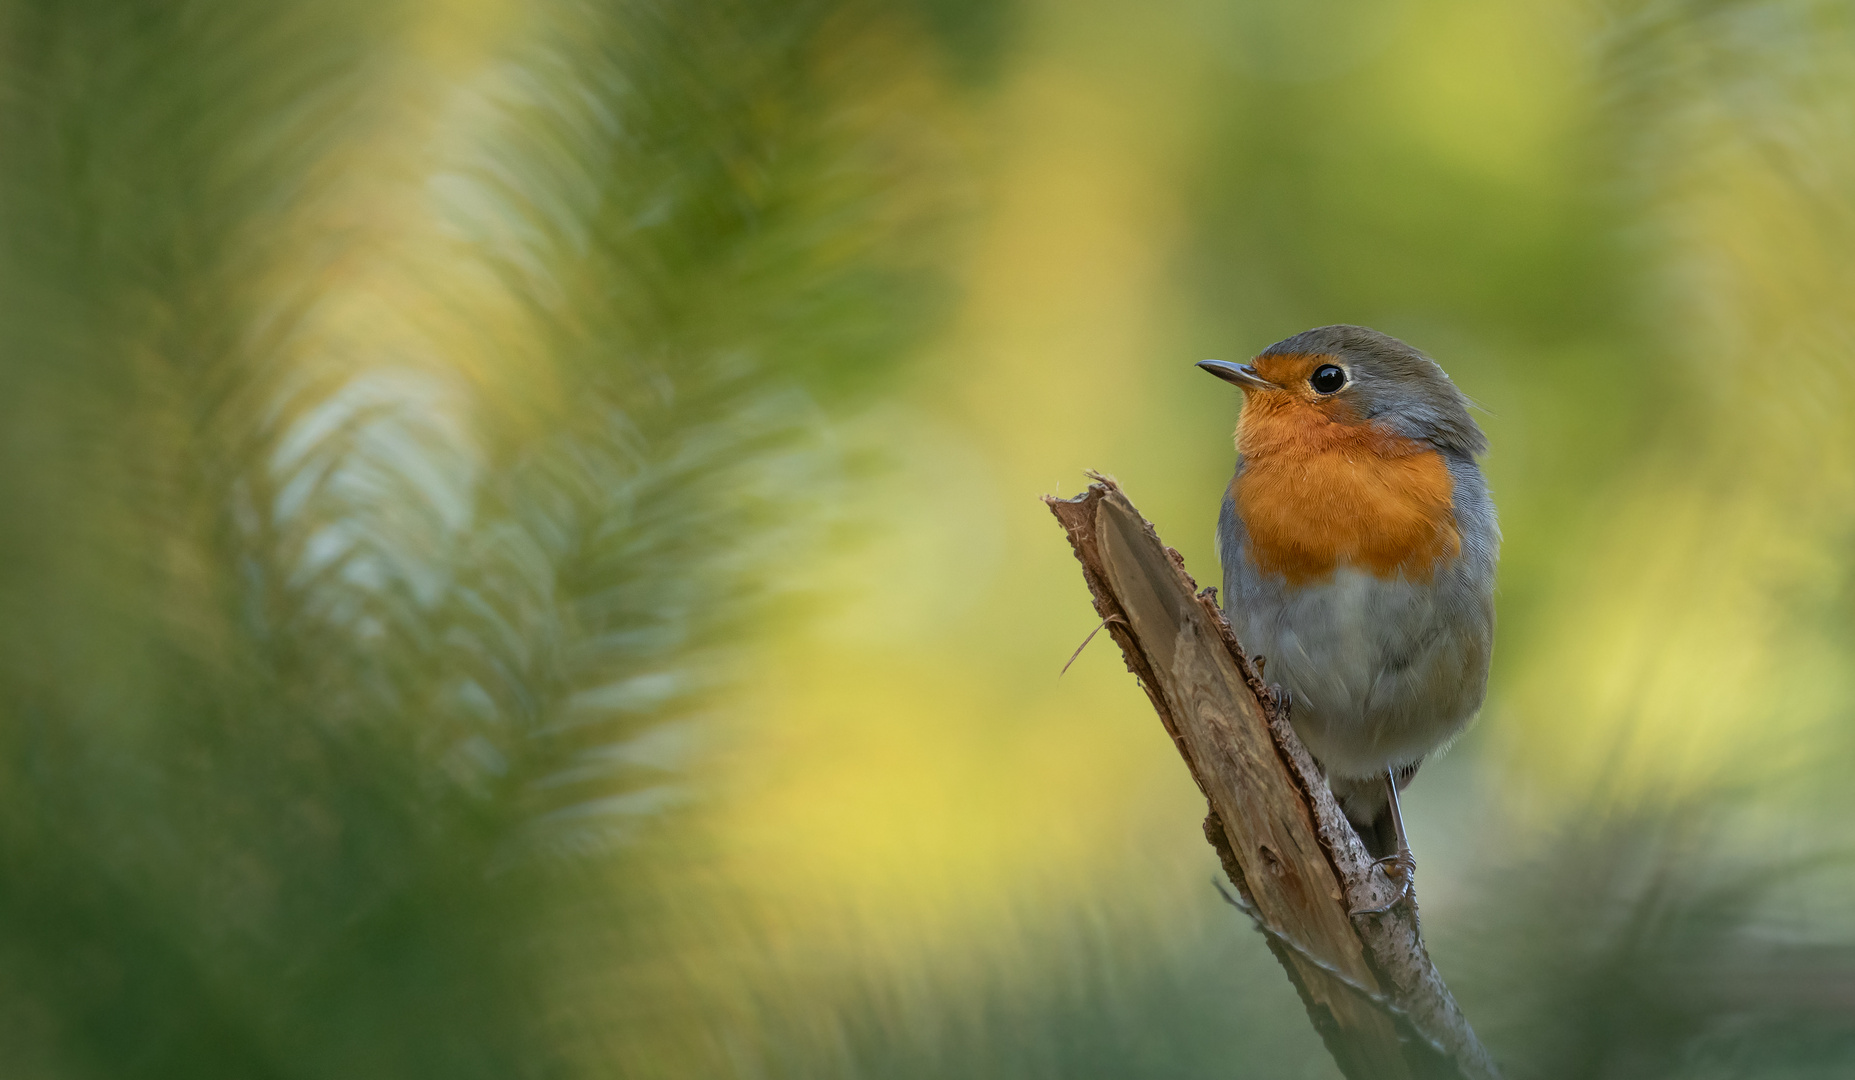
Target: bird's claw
(1401, 869)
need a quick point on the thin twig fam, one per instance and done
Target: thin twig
(1086, 640)
(1377, 999)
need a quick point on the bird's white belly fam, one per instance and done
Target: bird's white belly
(1378, 677)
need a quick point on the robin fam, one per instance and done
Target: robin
(1358, 543)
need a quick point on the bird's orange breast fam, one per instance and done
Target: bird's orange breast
(1320, 490)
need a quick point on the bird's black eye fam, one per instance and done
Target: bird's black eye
(1328, 378)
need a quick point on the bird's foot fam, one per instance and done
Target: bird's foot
(1278, 695)
(1401, 869)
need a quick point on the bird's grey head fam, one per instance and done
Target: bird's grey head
(1373, 376)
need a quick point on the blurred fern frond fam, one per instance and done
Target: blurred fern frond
(704, 237)
(1644, 945)
(312, 639)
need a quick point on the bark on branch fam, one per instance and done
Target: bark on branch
(1366, 980)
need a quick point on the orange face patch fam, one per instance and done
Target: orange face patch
(1321, 488)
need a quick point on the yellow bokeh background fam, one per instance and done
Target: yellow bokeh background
(525, 551)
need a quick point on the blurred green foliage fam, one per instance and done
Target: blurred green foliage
(329, 692)
(519, 555)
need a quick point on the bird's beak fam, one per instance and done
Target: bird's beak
(1242, 374)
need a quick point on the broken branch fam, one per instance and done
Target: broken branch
(1366, 980)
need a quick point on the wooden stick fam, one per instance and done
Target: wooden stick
(1368, 985)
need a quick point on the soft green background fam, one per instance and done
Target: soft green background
(521, 553)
